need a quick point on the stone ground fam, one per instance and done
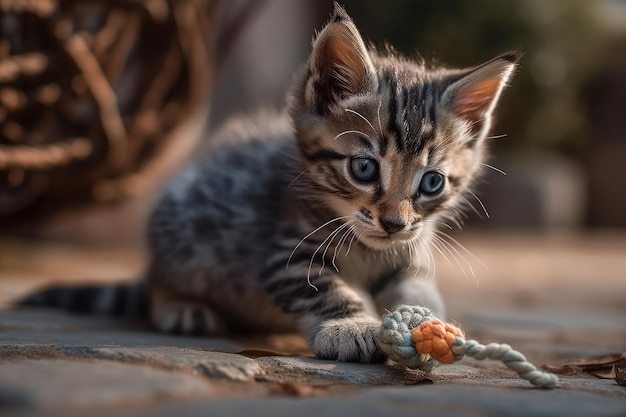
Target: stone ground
(557, 298)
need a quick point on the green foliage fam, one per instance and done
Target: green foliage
(562, 41)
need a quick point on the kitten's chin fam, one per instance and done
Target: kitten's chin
(384, 242)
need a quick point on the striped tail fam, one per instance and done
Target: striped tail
(129, 300)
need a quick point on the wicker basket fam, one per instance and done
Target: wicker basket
(90, 91)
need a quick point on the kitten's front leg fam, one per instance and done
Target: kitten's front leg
(339, 321)
(409, 287)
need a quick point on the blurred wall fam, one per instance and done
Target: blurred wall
(271, 49)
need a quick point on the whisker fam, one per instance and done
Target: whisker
(310, 234)
(340, 244)
(330, 236)
(437, 223)
(480, 202)
(454, 219)
(455, 254)
(419, 256)
(462, 247)
(440, 244)
(308, 275)
(380, 126)
(362, 117)
(430, 266)
(410, 244)
(444, 245)
(358, 237)
(497, 136)
(436, 244)
(429, 253)
(298, 176)
(474, 209)
(334, 234)
(342, 240)
(498, 170)
(349, 131)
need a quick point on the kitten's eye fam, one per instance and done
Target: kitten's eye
(364, 169)
(432, 183)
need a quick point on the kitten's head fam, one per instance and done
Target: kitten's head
(387, 142)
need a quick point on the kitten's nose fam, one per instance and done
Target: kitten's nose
(391, 224)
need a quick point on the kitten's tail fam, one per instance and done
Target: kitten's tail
(128, 300)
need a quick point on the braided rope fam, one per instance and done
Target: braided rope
(412, 336)
(513, 360)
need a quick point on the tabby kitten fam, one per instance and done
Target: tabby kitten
(321, 217)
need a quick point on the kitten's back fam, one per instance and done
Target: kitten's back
(216, 220)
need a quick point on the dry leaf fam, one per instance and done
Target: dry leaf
(600, 361)
(601, 366)
(603, 373)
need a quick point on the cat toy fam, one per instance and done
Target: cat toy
(413, 337)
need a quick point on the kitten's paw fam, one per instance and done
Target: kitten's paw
(352, 339)
(186, 318)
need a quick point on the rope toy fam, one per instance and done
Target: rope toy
(412, 336)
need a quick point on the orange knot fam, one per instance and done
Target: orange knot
(435, 338)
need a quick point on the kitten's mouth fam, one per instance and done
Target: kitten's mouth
(383, 236)
(376, 238)
(380, 240)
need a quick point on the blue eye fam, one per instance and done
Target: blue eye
(432, 183)
(364, 169)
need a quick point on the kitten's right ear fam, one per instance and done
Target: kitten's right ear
(473, 94)
(339, 65)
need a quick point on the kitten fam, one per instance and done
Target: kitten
(321, 217)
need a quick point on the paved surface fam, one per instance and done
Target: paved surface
(554, 298)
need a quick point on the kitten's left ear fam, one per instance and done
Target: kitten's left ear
(340, 65)
(473, 95)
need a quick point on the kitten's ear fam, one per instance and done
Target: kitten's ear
(473, 94)
(340, 65)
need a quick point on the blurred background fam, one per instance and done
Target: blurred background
(563, 115)
(100, 101)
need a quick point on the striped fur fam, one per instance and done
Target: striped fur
(272, 232)
(129, 300)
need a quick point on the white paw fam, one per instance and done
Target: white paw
(352, 339)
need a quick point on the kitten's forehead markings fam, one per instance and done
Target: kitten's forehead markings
(426, 128)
